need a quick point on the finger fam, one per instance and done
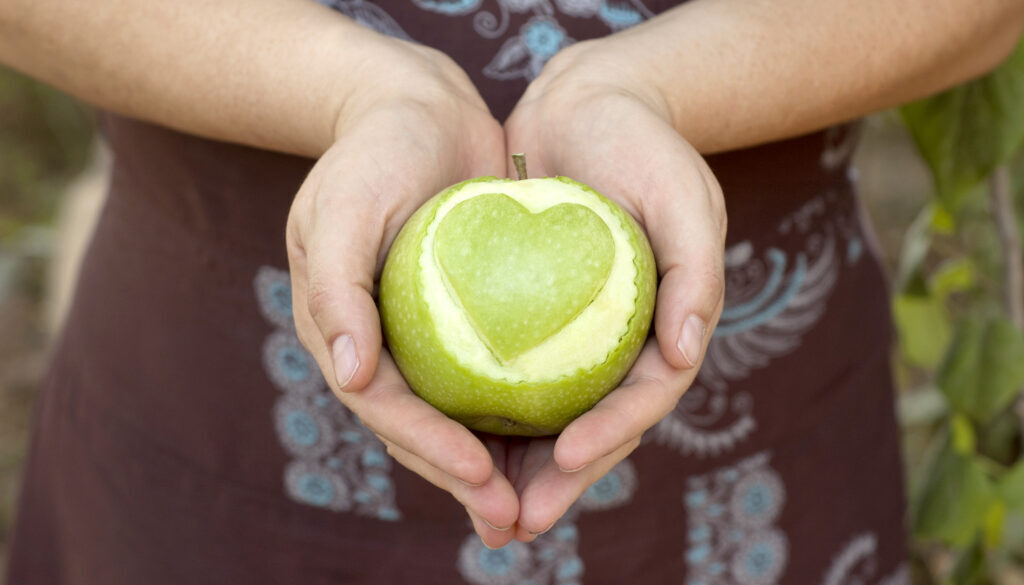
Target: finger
(332, 253)
(650, 392)
(686, 224)
(492, 506)
(393, 412)
(550, 491)
(492, 538)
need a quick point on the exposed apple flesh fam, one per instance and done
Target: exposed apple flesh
(514, 306)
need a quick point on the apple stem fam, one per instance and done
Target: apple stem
(519, 160)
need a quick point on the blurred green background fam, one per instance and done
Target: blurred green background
(45, 142)
(50, 163)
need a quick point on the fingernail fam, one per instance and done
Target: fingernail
(466, 483)
(542, 531)
(573, 470)
(493, 527)
(691, 339)
(346, 362)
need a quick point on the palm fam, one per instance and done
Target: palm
(617, 144)
(350, 208)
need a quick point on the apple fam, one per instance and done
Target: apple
(514, 306)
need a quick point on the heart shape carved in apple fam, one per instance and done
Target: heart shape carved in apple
(522, 276)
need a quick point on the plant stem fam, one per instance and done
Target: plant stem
(519, 160)
(1003, 214)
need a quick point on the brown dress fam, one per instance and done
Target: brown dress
(184, 436)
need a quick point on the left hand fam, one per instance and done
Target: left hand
(617, 137)
(412, 126)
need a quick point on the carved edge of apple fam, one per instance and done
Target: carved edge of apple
(439, 378)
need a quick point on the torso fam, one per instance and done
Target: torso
(185, 436)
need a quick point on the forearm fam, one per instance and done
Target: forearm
(733, 73)
(260, 72)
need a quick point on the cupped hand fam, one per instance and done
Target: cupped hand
(593, 117)
(412, 125)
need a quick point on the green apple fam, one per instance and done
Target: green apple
(514, 306)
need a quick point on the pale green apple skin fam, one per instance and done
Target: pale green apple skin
(480, 402)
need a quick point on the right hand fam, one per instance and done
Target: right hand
(412, 125)
(593, 115)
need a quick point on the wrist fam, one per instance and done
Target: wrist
(596, 68)
(396, 74)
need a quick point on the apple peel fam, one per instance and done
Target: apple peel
(457, 317)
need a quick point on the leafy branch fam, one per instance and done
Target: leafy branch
(973, 351)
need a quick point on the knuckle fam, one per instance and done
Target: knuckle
(634, 442)
(631, 418)
(319, 300)
(712, 274)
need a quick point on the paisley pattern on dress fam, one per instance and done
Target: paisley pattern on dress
(523, 54)
(731, 533)
(553, 558)
(840, 142)
(337, 463)
(772, 299)
(369, 15)
(857, 564)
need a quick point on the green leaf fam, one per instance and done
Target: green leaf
(956, 496)
(955, 275)
(984, 368)
(970, 568)
(963, 437)
(924, 328)
(1011, 488)
(966, 132)
(917, 240)
(999, 438)
(994, 525)
(943, 222)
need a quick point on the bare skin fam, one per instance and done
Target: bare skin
(392, 123)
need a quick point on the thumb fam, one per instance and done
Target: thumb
(333, 244)
(687, 232)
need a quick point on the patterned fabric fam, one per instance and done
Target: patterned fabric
(773, 297)
(184, 435)
(337, 463)
(731, 533)
(522, 54)
(554, 556)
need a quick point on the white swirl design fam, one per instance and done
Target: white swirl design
(553, 558)
(337, 463)
(772, 299)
